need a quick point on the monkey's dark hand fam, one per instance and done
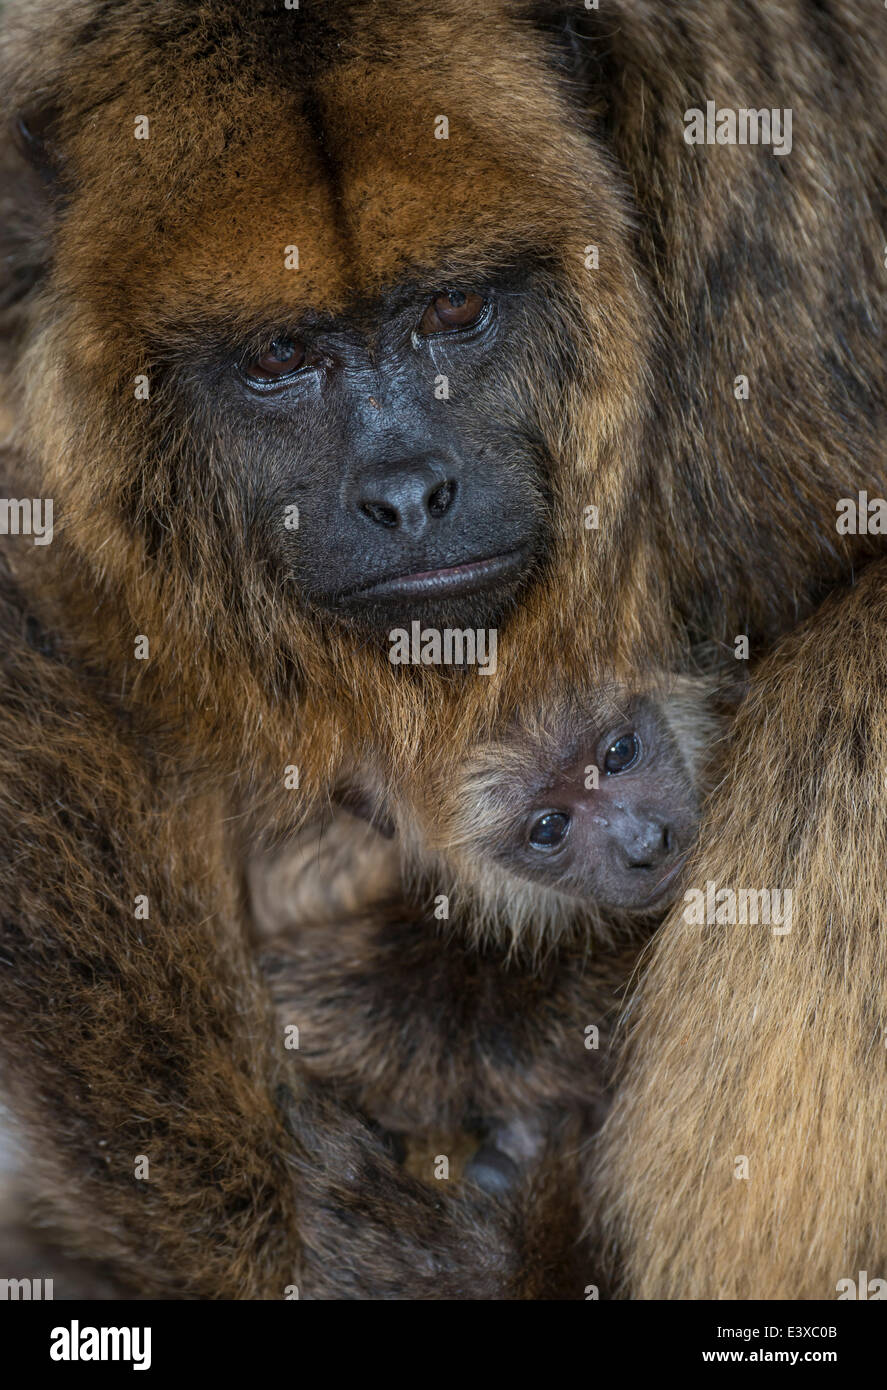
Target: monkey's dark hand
(511, 1149)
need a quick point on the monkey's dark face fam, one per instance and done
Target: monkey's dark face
(614, 826)
(387, 487)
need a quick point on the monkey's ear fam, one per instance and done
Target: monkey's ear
(30, 165)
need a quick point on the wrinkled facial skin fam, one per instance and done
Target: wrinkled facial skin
(621, 845)
(417, 498)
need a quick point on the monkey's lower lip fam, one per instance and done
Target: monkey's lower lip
(442, 583)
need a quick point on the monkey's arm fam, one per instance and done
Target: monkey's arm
(742, 1158)
(138, 1050)
(128, 1006)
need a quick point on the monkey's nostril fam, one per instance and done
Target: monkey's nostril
(406, 497)
(381, 514)
(650, 848)
(441, 499)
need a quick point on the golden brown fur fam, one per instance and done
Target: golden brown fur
(793, 1023)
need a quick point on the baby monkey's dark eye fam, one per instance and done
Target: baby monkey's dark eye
(453, 309)
(622, 754)
(283, 357)
(549, 830)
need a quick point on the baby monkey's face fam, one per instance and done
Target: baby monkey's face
(612, 823)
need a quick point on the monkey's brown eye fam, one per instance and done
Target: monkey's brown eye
(622, 754)
(283, 357)
(450, 310)
(549, 830)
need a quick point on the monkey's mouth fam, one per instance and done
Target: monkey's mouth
(450, 582)
(664, 883)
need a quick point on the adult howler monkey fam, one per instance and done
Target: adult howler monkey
(318, 321)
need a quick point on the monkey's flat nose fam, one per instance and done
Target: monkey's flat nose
(406, 499)
(649, 846)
